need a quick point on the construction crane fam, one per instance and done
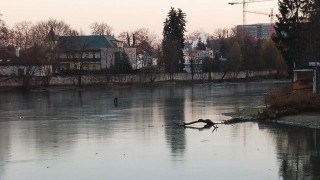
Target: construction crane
(271, 15)
(244, 2)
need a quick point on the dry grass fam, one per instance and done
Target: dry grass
(286, 98)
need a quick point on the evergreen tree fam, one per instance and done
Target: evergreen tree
(122, 64)
(313, 12)
(173, 40)
(290, 36)
(200, 45)
(3, 32)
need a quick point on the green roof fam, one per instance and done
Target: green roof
(86, 43)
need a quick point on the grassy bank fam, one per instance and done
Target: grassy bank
(285, 101)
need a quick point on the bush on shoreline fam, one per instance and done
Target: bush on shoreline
(285, 101)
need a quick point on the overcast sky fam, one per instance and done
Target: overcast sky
(128, 15)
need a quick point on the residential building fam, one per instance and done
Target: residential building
(196, 58)
(11, 64)
(94, 52)
(144, 58)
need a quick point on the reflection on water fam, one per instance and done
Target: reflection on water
(298, 151)
(173, 111)
(80, 134)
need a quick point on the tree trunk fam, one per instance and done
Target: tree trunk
(209, 78)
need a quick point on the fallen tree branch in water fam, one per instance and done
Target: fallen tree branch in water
(209, 123)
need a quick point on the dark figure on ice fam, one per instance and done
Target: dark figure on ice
(115, 101)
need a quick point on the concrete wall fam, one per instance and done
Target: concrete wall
(36, 70)
(135, 78)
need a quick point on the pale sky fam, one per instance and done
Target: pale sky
(128, 15)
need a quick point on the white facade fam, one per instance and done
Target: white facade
(197, 56)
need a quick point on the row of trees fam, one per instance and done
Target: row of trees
(40, 40)
(234, 51)
(232, 55)
(241, 50)
(246, 53)
(25, 34)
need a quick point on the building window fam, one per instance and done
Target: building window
(93, 55)
(93, 67)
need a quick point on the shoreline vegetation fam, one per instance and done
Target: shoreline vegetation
(293, 107)
(284, 106)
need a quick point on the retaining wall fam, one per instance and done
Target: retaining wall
(130, 78)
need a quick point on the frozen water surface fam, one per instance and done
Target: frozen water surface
(81, 134)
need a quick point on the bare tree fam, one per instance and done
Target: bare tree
(193, 36)
(47, 34)
(128, 39)
(3, 32)
(101, 29)
(137, 37)
(22, 35)
(144, 35)
(41, 29)
(32, 63)
(221, 33)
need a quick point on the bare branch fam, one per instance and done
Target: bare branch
(101, 29)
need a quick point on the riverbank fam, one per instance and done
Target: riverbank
(293, 107)
(132, 84)
(303, 119)
(299, 119)
(16, 82)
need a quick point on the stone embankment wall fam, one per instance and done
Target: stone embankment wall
(128, 78)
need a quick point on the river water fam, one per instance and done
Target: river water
(81, 134)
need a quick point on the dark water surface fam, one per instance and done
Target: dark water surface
(81, 134)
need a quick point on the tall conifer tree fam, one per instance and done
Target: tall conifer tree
(290, 36)
(173, 40)
(313, 12)
(3, 32)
